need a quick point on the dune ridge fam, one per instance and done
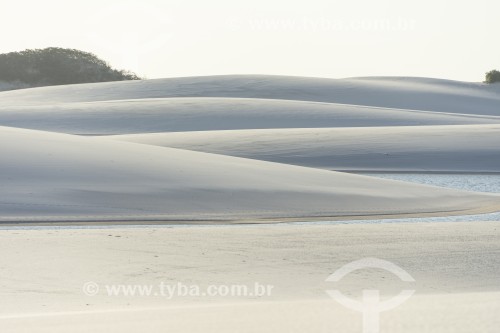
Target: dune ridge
(208, 114)
(391, 92)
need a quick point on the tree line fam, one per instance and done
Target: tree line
(57, 66)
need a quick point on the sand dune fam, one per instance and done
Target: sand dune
(472, 148)
(63, 177)
(203, 114)
(392, 92)
(52, 176)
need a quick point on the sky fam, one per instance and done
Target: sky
(321, 38)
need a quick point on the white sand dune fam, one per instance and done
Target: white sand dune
(455, 267)
(203, 114)
(54, 177)
(392, 92)
(472, 148)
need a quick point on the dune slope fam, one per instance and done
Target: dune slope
(472, 148)
(54, 177)
(204, 114)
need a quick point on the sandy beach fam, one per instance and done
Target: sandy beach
(455, 267)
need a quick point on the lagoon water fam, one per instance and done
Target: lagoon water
(469, 182)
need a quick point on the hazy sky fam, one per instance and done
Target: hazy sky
(325, 38)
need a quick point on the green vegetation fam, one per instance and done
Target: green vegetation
(56, 66)
(493, 76)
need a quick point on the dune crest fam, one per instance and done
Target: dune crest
(402, 93)
(152, 115)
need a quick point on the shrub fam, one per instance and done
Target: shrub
(55, 66)
(493, 76)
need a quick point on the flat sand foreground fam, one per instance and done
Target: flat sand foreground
(43, 271)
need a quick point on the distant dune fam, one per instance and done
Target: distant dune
(207, 114)
(473, 148)
(391, 92)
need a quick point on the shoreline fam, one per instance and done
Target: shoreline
(254, 221)
(423, 172)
